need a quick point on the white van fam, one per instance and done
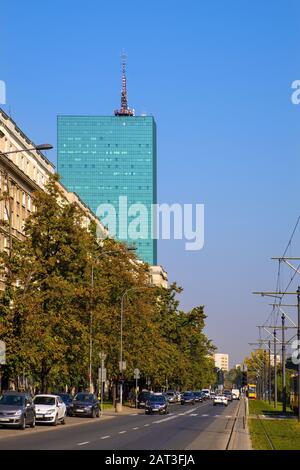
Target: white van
(235, 394)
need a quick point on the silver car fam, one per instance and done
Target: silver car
(17, 410)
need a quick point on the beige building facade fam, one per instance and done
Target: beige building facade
(21, 174)
(222, 361)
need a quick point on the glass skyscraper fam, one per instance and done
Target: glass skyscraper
(104, 157)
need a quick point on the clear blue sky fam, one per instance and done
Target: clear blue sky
(216, 75)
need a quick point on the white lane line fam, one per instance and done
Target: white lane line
(164, 419)
(194, 414)
(83, 443)
(181, 414)
(105, 437)
(135, 428)
(190, 411)
(134, 414)
(204, 416)
(146, 425)
(122, 432)
(228, 416)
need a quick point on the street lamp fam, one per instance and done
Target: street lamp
(121, 364)
(108, 252)
(102, 356)
(36, 147)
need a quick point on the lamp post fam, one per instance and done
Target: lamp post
(108, 252)
(102, 356)
(122, 366)
(36, 147)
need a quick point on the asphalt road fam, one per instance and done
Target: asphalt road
(188, 427)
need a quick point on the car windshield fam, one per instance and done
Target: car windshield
(44, 400)
(16, 400)
(84, 397)
(157, 399)
(187, 394)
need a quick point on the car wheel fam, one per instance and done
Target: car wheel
(98, 413)
(55, 420)
(93, 413)
(33, 423)
(23, 424)
(63, 421)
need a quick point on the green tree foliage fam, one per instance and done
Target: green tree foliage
(64, 288)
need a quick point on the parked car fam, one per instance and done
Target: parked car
(86, 404)
(206, 393)
(143, 397)
(68, 401)
(198, 396)
(220, 400)
(228, 395)
(171, 396)
(157, 404)
(49, 409)
(17, 410)
(188, 397)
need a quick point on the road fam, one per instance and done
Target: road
(189, 427)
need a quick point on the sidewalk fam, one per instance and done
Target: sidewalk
(241, 439)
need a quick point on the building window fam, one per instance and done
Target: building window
(23, 199)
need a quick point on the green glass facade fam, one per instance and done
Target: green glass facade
(104, 157)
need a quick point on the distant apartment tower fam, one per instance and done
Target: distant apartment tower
(103, 158)
(222, 361)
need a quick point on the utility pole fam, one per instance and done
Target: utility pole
(298, 338)
(283, 363)
(275, 369)
(265, 374)
(270, 376)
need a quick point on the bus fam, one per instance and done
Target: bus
(251, 391)
(294, 399)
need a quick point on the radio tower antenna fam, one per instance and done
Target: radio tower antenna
(124, 110)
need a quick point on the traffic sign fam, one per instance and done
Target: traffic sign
(122, 365)
(136, 373)
(2, 353)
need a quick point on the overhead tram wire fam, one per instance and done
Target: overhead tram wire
(279, 275)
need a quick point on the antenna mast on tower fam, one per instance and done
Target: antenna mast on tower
(124, 110)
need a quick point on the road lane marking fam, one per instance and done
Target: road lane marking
(204, 416)
(105, 437)
(135, 414)
(83, 443)
(146, 425)
(194, 414)
(122, 432)
(164, 419)
(135, 428)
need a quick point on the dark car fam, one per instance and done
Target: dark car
(142, 398)
(198, 396)
(188, 397)
(17, 409)
(228, 395)
(86, 404)
(157, 404)
(68, 401)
